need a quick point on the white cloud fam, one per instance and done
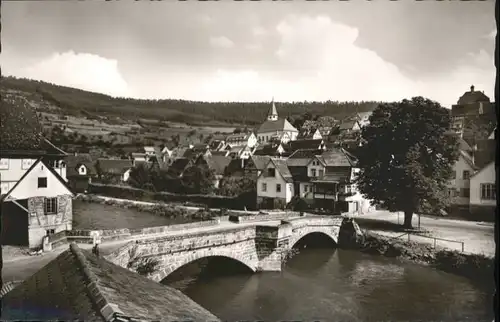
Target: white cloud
(221, 42)
(81, 70)
(258, 31)
(318, 60)
(323, 63)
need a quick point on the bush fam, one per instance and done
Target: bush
(297, 204)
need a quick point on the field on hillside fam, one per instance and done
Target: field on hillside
(70, 101)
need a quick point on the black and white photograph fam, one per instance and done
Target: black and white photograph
(226, 160)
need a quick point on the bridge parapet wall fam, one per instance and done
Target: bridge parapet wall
(259, 247)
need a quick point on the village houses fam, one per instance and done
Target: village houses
(36, 199)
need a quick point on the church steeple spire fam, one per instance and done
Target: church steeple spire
(272, 115)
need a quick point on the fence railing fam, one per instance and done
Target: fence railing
(435, 239)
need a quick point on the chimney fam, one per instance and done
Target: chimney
(472, 88)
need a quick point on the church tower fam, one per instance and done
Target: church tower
(272, 115)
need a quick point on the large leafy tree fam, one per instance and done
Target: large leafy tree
(198, 179)
(140, 177)
(407, 156)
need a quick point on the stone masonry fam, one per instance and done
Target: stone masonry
(39, 223)
(259, 247)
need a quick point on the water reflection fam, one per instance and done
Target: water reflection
(339, 285)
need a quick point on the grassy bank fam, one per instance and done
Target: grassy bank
(477, 267)
(165, 210)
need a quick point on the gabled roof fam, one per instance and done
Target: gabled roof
(217, 163)
(298, 162)
(179, 165)
(220, 153)
(348, 124)
(492, 163)
(308, 133)
(238, 148)
(77, 285)
(485, 152)
(463, 145)
(27, 173)
(168, 146)
(179, 152)
(492, 134)
(282, 168)
(468, 159)
(338, 158)
(73, 162)
(305, 153)
(267, 149)
(238, 137)
(114, 166)
(306, 144)
(260, 161)
(279, 125)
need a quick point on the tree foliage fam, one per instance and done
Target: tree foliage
(198, 179)
(140, 176)
(234, 186)
(407, 156)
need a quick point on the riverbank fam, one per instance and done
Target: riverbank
(477, 267)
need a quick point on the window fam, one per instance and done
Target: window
(306, 188)
(278, 187)
(466, 175)
(321, 172)
(271, 172)
(264, 187)
(50, 206)
(50, 232)
(42, 182)
(465, 192)
(348, 188)
(488, 191)
(313, 172)
(26, 164)
(4, 164)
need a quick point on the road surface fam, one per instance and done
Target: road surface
(21, 267)
(478, 237)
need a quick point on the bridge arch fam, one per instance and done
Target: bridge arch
(306, 231)
(171, 264)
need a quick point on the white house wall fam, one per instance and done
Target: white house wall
(286, 189)
(28, 187)
(459, 182)
(318, 167)
(13, 169)
(487, 175)
(306, 193)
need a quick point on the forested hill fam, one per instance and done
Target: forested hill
(78, 102)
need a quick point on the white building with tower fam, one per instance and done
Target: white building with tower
(275, 127)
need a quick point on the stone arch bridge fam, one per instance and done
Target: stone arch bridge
(260, 246)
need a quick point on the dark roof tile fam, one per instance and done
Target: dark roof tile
(77, 285)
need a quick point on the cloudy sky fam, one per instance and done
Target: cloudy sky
(252, 51)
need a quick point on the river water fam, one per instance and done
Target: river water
(91, 215)
(342, 285)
